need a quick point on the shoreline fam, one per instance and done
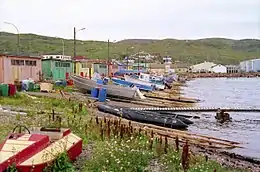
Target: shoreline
(228, 157)
(220, 75)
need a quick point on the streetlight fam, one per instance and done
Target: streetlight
(18, 36)
(75, 31)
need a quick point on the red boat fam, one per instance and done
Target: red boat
(34, 150)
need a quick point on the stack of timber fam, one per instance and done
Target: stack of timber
(171, 98)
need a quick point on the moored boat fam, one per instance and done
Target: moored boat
(39, 147)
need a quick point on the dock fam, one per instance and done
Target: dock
(199, 109)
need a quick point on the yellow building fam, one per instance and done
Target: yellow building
(83, 68)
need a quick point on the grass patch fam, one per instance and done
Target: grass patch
(116, 147)
(120, 155)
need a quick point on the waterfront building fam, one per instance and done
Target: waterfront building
(233, 68)
(252, 65)
(208, 67)
(56, 67)
(218, 69)
(18, 68)
(82, 66)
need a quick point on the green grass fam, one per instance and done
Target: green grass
(218, 50)
(112, 151)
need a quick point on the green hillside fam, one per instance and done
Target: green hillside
(218, 50)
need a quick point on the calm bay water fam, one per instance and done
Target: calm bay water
(229, 92)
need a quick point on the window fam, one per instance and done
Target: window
(12, 62)
(57, 57)
(17, 62)
(83, 65)
(102, 66)
(56, 64)
(30, 62)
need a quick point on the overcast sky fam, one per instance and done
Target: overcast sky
(123, 19)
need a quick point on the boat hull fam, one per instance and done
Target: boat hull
(118, 81)
(143, 117)
(138, 81)
(35, 151)
(86, 85)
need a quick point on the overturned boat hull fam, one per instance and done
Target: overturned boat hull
(86, 85)
(144, 117)
(36, 150)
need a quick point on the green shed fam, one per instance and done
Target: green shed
(54, 69)
(100, 68)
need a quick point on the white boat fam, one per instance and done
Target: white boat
(86, 85)
(143, 81)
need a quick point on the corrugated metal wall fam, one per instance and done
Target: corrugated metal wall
(25, 70)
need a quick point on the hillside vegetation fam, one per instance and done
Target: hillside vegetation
(218, 50)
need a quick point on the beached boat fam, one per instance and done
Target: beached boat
(144, 117)
(34, 150)
(142, 82)
(119, 81)
(86, 85)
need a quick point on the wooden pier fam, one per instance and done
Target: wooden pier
(198, 109)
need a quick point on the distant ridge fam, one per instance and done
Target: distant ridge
(218, 50)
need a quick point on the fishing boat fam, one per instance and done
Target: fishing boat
(86, 85)
(143, 82)
(34, 150)
(120, 81)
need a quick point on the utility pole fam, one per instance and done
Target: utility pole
(108, 58)
(138, 63)
(74, 42)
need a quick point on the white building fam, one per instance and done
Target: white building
(206, 67)
(218, 69)
(202, 67)
(58, 57)
(250, 65)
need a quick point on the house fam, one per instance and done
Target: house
(141, 66)
(117, 66)
(218, 68)
(180, 67)
(14, 68)
(252, 65)
(204, 67)
(101, 68)
(233, 68)
(56, 67)
(157, 68)
(82, 66)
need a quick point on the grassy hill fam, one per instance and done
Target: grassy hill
(218, 50)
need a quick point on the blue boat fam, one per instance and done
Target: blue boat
(121, 82)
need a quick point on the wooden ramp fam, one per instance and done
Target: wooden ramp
(199, 109)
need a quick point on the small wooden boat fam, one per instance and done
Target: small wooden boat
(122, 82)
(34, 150)
(86, 85)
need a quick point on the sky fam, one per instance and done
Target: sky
(132, 19)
